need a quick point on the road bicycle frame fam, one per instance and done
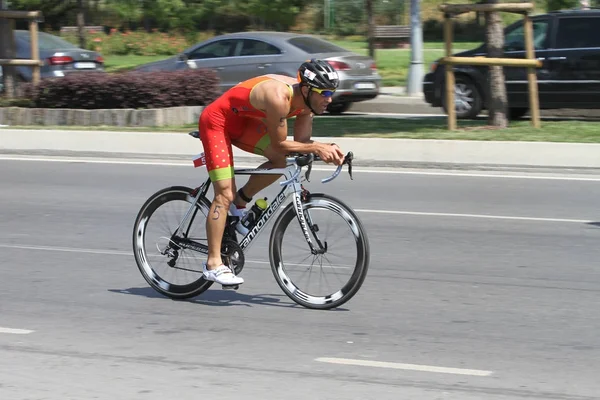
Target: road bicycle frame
(291, 186)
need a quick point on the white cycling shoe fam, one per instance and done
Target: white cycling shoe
(221, 275)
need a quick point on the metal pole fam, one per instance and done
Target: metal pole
(415, 72)
(332, 14)
(326, 15)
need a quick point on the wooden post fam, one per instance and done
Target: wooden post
(35, 53)
(534, 106)
(450, 106)
(7, 52)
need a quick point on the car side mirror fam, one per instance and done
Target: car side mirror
(182, 57)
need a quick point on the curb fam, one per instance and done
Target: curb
(367, 151)
(172, 116)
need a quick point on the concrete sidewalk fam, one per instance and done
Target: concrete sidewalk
(368, 151)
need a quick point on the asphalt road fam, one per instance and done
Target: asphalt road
(388, 103)
(481, 286)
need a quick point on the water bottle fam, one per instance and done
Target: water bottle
(254, 213)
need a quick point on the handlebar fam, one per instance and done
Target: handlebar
(307, 160)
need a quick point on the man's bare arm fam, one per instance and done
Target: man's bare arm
(303, 128)
(277, 109)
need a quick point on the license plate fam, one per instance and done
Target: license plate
(85, 65)
(365, 85)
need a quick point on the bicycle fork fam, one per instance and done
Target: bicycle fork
(302, 195)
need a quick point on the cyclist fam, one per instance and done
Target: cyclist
(253, 117)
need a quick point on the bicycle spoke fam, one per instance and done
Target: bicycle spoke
(169, 268)
(344, 251)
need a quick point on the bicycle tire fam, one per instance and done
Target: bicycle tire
(153, 203)
(336, 299)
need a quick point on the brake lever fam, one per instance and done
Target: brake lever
(307, 175)
(348, 160)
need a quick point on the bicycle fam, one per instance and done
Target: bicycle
(307, 208)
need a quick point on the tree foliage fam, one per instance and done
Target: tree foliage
(219, 15)
(554, 5)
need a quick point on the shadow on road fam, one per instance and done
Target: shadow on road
(218, 297)
(596, 224)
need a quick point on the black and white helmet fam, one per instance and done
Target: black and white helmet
(318, 74)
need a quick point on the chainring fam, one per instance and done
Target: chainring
(233, 255)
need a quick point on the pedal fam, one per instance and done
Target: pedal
(230, 287)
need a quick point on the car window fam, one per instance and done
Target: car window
(258, 48)
(315, 45)
(578, 33)
(515, 39)
(46, 41)
(221, 48)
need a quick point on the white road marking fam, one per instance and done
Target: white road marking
(100, 161)
(410, 367)
(481, 175)
(389, 212)
(15, 331)
(188, 164)
(125, 253)
(507, 217)
(66, 249)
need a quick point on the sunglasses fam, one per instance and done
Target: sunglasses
(324, 92)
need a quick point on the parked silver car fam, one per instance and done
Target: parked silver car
(240, 56)
(60, 56)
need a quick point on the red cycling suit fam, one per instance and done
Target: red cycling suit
(232, 119)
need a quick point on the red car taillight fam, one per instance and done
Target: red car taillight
(60, 60)
(374, 66)
(338, 65)
(100, 60)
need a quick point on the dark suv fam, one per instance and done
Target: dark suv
(568, 44)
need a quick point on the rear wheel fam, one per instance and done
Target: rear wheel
(170, 269)
(517, 112)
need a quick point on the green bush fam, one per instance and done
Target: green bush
(139, 43)
(4, 102)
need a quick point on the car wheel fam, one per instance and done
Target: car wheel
(467, 98)
(338, 108)
(517, 112)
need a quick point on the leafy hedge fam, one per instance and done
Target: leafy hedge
(137, 43)
(97, 90)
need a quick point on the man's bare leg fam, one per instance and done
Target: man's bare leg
(217, 217)
(256, 183)
(214, 270)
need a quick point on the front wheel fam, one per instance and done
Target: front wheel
(338, 108)
(343, 253)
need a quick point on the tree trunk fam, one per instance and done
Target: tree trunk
(7, 50)
(81, 24)
(369, 6)
(497, 101)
